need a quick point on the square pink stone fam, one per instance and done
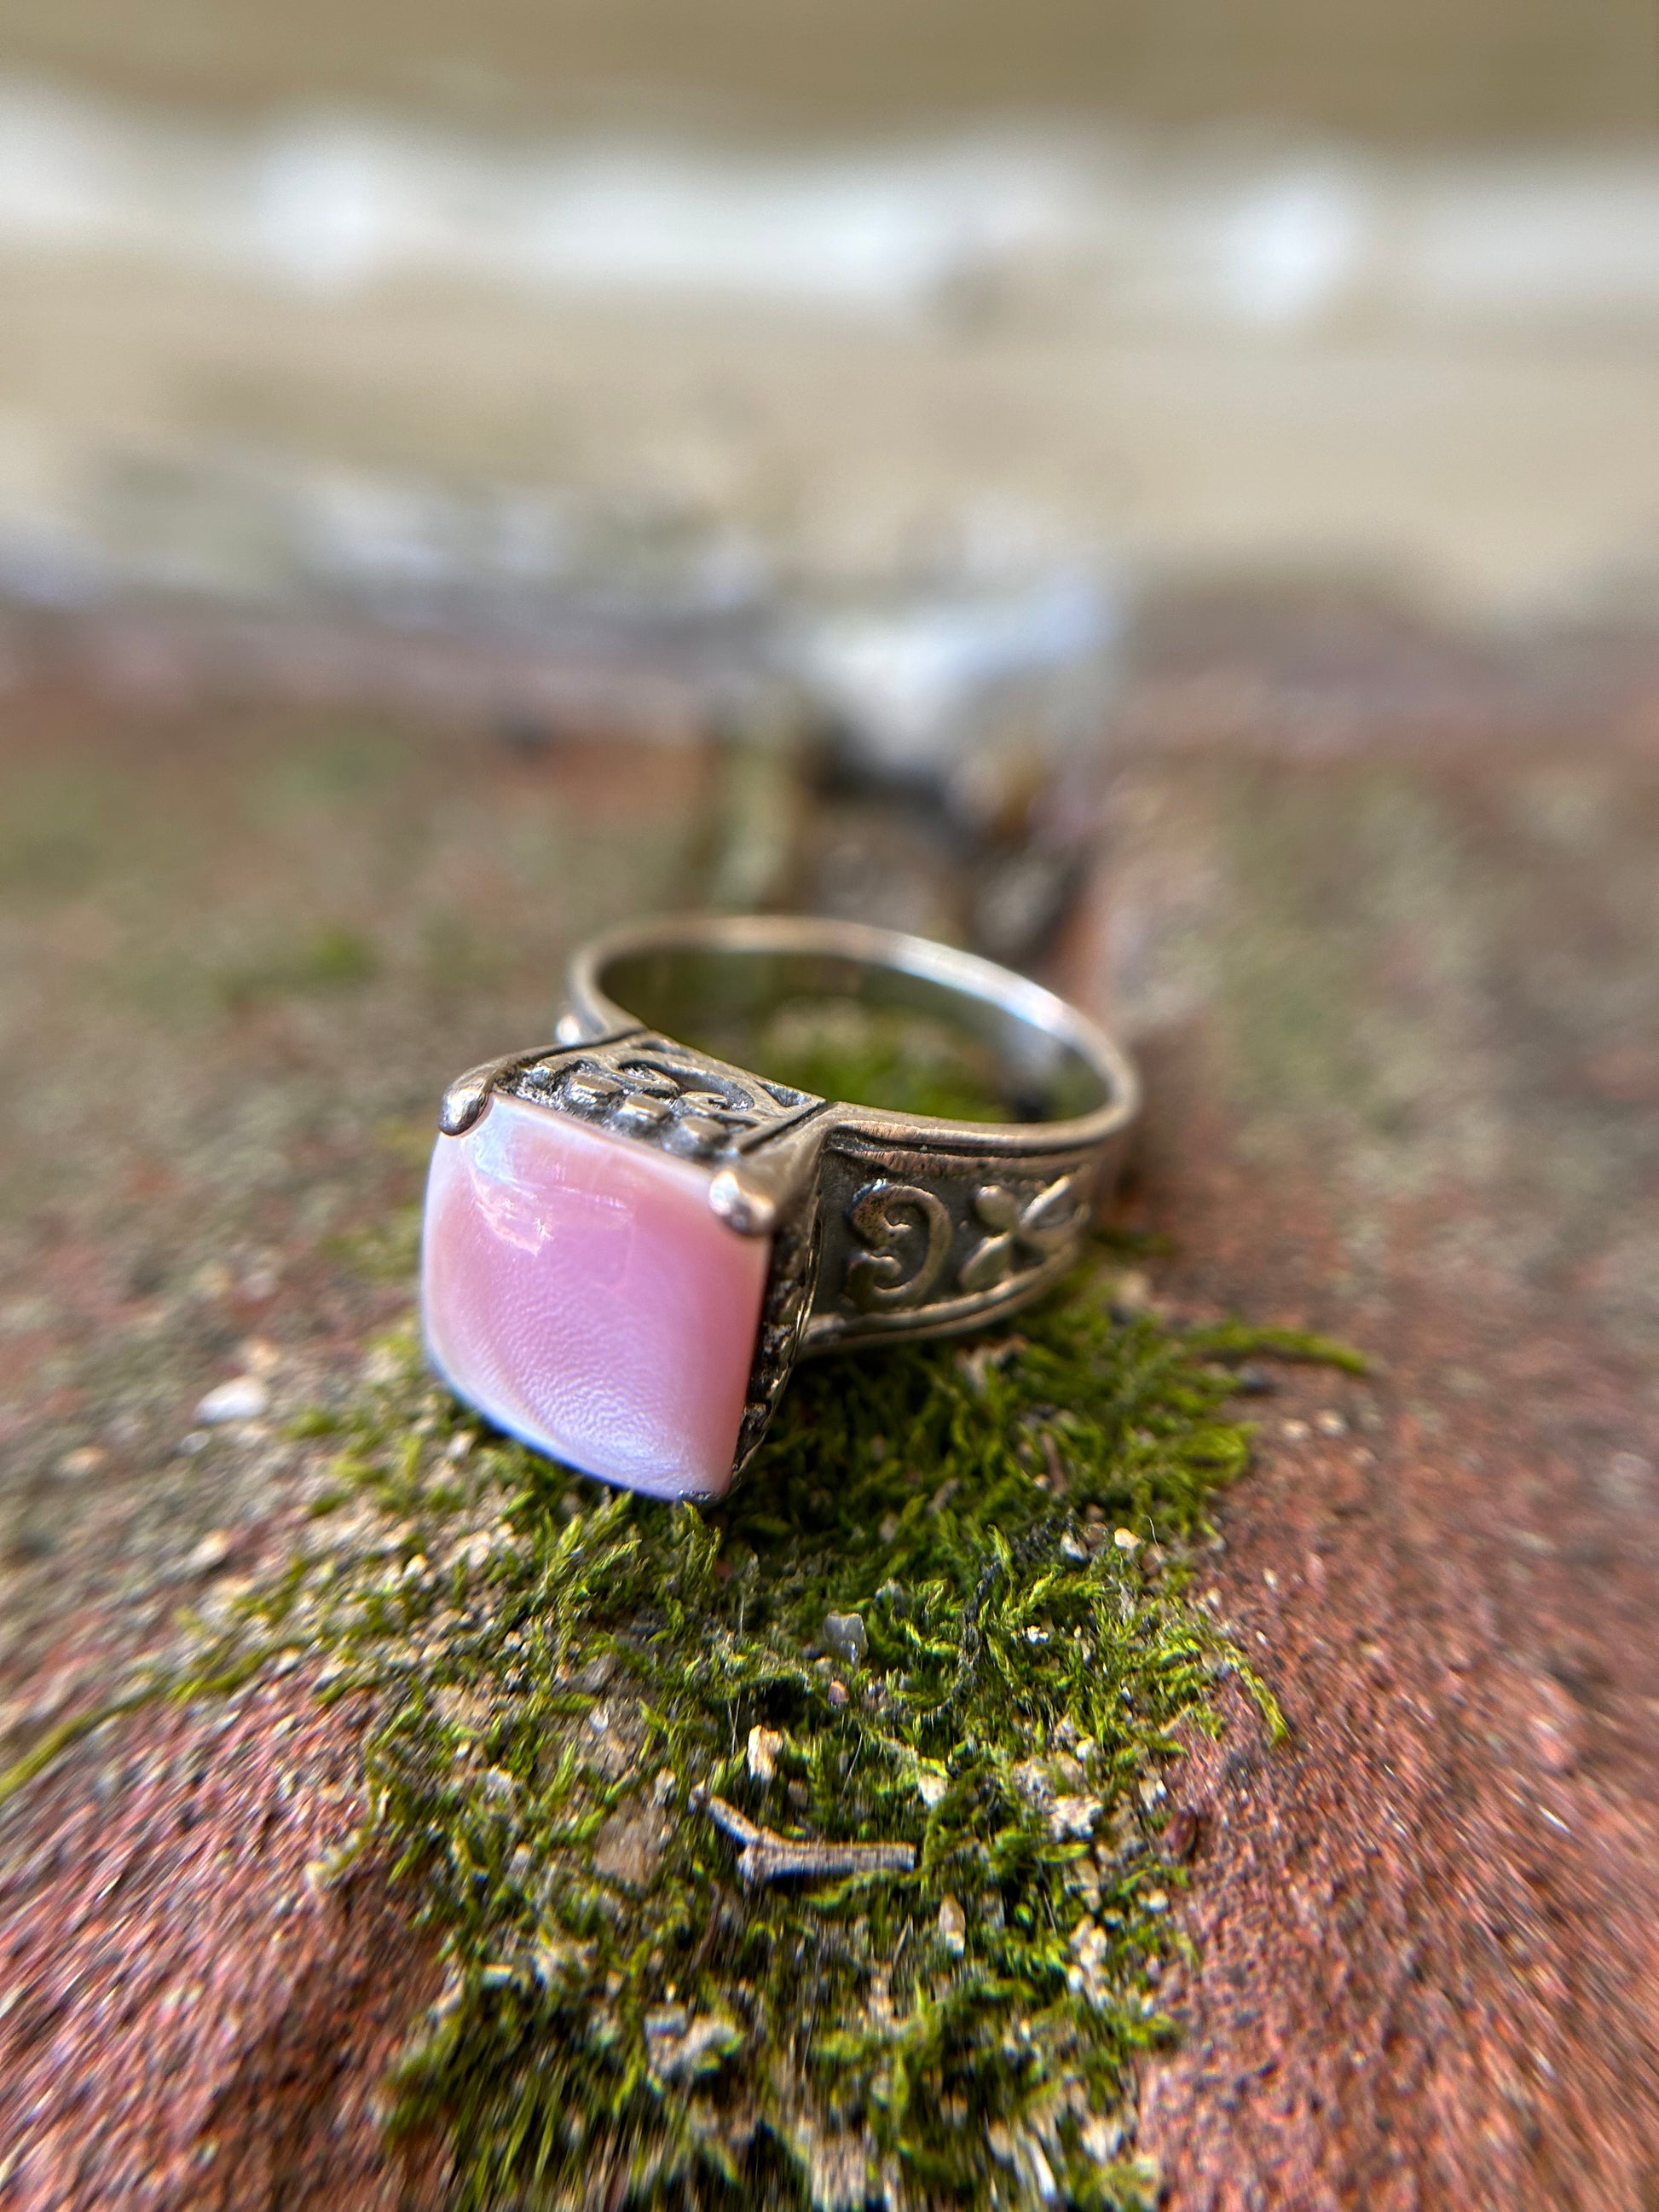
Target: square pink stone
(580, 1290)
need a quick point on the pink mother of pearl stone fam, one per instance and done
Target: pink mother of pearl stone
(578, 1290)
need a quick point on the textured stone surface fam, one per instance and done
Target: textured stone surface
(191, 2016)
(578, 1287)
(1400, 1016)
(1378, 908)
(240, 954)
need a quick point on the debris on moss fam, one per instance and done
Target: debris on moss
(811, 1850)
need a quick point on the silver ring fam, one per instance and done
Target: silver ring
(629, 1241)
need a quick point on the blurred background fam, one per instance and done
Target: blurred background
(888, 350)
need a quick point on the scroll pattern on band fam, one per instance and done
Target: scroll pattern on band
(908, 1240)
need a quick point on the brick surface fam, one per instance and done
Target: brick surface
(1379, 911)
(240, 957)
(1397, 996)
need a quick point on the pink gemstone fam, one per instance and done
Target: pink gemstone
(580, 1290)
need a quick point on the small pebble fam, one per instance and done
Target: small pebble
(838, 1695)
(212, 1551)
(197, 1441)
(86, 1460)
(844, 1634)
(244, 1398)
(1073, 1816)
(952, 1926)
(1126, 1539)
(1181, 1837)
(1330, 1423)
(930, 1788)
(1294, 1432)
(1255, 1380)
(764, 1745)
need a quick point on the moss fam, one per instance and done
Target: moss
(564, 1677)
(894, 1060)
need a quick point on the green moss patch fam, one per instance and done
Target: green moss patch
(900, 1061)
(943, 1617)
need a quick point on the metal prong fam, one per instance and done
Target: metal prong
(742, 1205)
(465, 1103)
(467, 1099)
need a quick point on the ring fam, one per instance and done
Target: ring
(629, 1241)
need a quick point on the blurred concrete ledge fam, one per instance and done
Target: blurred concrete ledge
(324, 350)
(949, 683)
(1241, 226)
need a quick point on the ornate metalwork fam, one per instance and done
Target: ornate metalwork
(907, 1232)
(1039, 1226)
(784, 1312)
(932, 1246)
(646, 1086)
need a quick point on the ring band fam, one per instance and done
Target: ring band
(629, 1241)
